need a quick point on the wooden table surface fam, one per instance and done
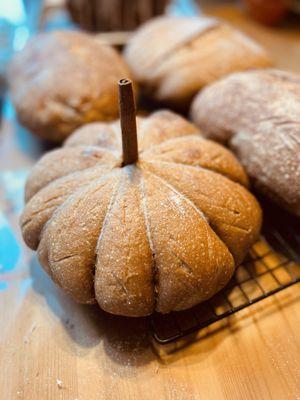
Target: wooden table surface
(51, 348)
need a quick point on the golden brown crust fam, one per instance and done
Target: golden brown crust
(173, 57)
(124, 271)
(191, 262)
(100, 134)
(73, 235)
(162, 234)
(64, 79)
(40, 208)
(161, 126)
(257, 114)
(61, 162)
(198, 152)
(229, 208)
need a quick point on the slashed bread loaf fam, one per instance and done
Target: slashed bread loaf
(173, 57)
(258, 114)
(162, 234)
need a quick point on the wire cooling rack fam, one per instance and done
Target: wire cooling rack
(272, 265)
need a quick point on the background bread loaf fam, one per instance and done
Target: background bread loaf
(258, 115)
(173, 57)
(64, 79)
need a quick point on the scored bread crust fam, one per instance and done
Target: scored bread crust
(63, 79)
(173, 57)
(160, 235)
(257, 114)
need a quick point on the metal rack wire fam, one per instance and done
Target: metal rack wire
(272, 265)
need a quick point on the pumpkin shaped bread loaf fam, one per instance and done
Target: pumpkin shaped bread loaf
(173, 57)
(162, 234)
(62, 80)
(257, 113)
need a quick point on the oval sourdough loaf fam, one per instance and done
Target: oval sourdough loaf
(64, 79)
(162, 234)
(173, 57)
(258, 114)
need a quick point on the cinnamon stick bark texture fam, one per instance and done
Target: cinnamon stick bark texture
(128, 122)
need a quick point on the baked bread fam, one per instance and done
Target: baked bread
(258, 114)
(173, 57)
(64, 79)
(108, 15)
(162, 234)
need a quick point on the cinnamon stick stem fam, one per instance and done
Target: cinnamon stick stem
(128, 122)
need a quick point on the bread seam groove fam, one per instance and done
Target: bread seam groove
(177, 139)
(207, 170)
(71, 195)
(109, 207)
(170, 186)
(192, 204)
(197, 167)
(150, 241)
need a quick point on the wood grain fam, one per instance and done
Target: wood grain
(53, 349)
